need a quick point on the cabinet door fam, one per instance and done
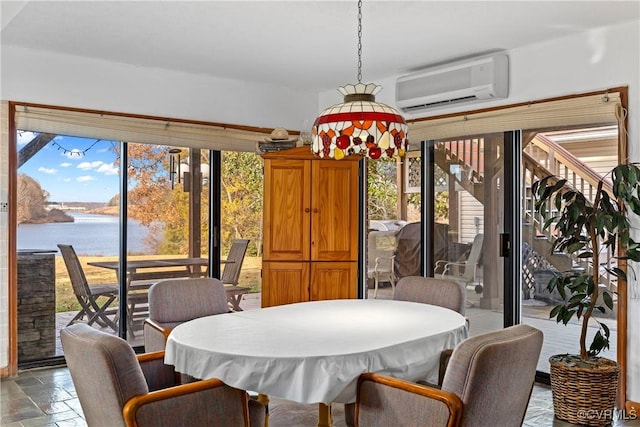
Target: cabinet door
(287, 201)
(333, 280)
(334, 211)
(284, 283)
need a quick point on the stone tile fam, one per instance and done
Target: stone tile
(9, 389)
(76, 422)
(75, 405)
(45, 395)
(57, 407)
(27, 380)
(38, 422)
(18, 410)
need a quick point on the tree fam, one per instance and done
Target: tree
(151, 200)
(382, 189)
(242, 180)
(165, 211)
(32, 200)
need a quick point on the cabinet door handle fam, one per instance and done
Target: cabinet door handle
(315, 210)
(307, 210)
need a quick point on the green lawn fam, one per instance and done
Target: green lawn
(66, 300)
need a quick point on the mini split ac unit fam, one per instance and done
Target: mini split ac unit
(456, 83)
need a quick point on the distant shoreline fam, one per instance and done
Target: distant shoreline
(59, 215)
(106, 210)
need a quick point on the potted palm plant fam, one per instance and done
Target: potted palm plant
(584, 385)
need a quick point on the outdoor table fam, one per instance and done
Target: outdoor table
(313, 352)
(134, 268)
(149, 271)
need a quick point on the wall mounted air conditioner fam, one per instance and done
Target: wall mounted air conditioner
(473, 80)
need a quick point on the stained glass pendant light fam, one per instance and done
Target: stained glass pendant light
(359, 125)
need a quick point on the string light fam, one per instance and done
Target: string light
(75, 152)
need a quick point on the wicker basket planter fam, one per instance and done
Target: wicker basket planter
(584, 392)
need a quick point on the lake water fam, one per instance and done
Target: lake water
(89, 235)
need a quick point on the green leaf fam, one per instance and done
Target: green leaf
(567, 315)
(555, 311)
(608, 301)
(607, 333)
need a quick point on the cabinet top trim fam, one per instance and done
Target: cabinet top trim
(305, 153)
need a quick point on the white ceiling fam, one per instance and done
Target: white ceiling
(298, 44)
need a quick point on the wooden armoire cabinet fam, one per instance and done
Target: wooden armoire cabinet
(310, 241)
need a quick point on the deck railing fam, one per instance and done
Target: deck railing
(542, 157)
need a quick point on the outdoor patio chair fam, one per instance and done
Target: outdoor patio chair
(87, 296)
(502, 363)
(381, 247)
(172, 302)
(464, 272)
(231, 273)
(116, 388)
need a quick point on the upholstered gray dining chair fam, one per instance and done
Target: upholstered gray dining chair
(429, 290)
(175, 301)
(488, 382)
(116, 388)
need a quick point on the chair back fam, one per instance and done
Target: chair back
(181, 300)
(493, 374)
(429, 290)
(76, 273)
(381, 245)
(231, 271)
(105, 373)
(473, 259)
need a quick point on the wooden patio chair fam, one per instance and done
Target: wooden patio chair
(231, 273)
(94, 311)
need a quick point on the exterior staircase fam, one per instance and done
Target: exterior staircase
(541, 157)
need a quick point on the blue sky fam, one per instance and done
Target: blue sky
(73, 169)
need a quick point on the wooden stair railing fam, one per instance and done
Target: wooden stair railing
(542, 157)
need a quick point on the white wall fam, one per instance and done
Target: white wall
(595, 60)
(47, 78)
(590, 61)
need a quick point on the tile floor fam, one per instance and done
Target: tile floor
(46, 397)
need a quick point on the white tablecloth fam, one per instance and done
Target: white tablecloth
(313, 352)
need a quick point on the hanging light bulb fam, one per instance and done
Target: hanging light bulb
(359, 125)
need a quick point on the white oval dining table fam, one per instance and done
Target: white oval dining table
(313, 352)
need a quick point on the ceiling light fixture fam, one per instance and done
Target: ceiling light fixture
(359, 125)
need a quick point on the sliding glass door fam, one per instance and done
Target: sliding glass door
(468, 197)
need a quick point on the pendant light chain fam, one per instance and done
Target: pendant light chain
(359, 125)
(359, 41)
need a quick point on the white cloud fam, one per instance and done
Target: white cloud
(48, 171)
(85, 178)
(90, 165)
(66, 180)
(65, 165)
(108, 169)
